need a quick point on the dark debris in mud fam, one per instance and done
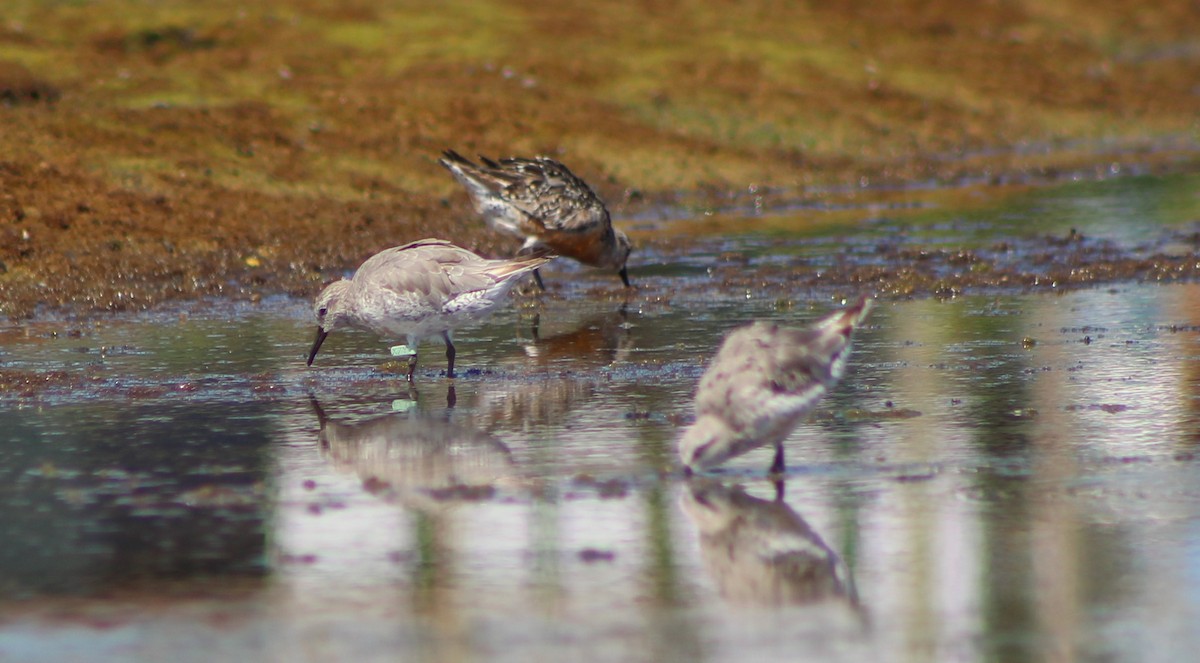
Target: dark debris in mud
(18, 86)
(34, 386)
(29, 384)
(909, 271)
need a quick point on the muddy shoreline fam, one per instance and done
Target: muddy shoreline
(184, 152)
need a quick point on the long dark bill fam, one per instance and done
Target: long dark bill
(312, 354)
(624, 274)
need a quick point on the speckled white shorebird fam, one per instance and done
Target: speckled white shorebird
(425, 288)
(542, 202)
(763, 380)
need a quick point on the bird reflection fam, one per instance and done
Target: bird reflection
(761, 551)
(413, 456)
(566, 351)
(599, 340)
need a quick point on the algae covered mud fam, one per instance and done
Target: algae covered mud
(166, 151)
(1008, 472)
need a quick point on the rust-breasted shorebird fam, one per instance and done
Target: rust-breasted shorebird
(542, 202)
(763, 380)
(426, 288)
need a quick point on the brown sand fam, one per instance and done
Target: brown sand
(181, 149)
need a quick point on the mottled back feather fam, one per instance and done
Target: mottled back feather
(541, 201)
(544, 190)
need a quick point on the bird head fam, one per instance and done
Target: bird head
(329, 312)
(707, 443)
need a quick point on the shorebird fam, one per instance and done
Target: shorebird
(425, 288)
(542, 202)
(763, 380)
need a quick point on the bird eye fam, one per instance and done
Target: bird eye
(321, 312)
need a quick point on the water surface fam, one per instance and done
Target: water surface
(1003, 476)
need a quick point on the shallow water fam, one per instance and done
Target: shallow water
(1002, 477)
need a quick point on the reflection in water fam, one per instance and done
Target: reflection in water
(760, 551)
(598, 340)
(566, 347)
(525, 405)
(96, 499)
(1061, 508)
(1059, 519)
(415, 457)
(424, 462)
(569, 360)
(1186, 333)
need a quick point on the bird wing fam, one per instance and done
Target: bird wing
(540, 194)
(549, 192)
(763, 378)
(431, 271)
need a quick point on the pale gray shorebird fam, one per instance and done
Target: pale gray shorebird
(425, 288)
(542, 202)
(763, 380)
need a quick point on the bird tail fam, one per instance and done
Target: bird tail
(849, 318)
(479, 180)
(467, 173)
(524, 263)
(450, 156)
(537, 251)
(855, 313)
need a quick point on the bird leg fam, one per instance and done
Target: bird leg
(777, 467)
(537, 276)
(624, 274)
(412, 366)
(449, 354)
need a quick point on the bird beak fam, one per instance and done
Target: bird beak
(312, 354)
(624, 274)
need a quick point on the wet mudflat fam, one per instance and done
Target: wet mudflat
(158, 153)
(1008, 472)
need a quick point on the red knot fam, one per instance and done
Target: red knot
(426, 288)
(763, 380)
(542, 202)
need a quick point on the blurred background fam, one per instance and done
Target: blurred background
(157, 150)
